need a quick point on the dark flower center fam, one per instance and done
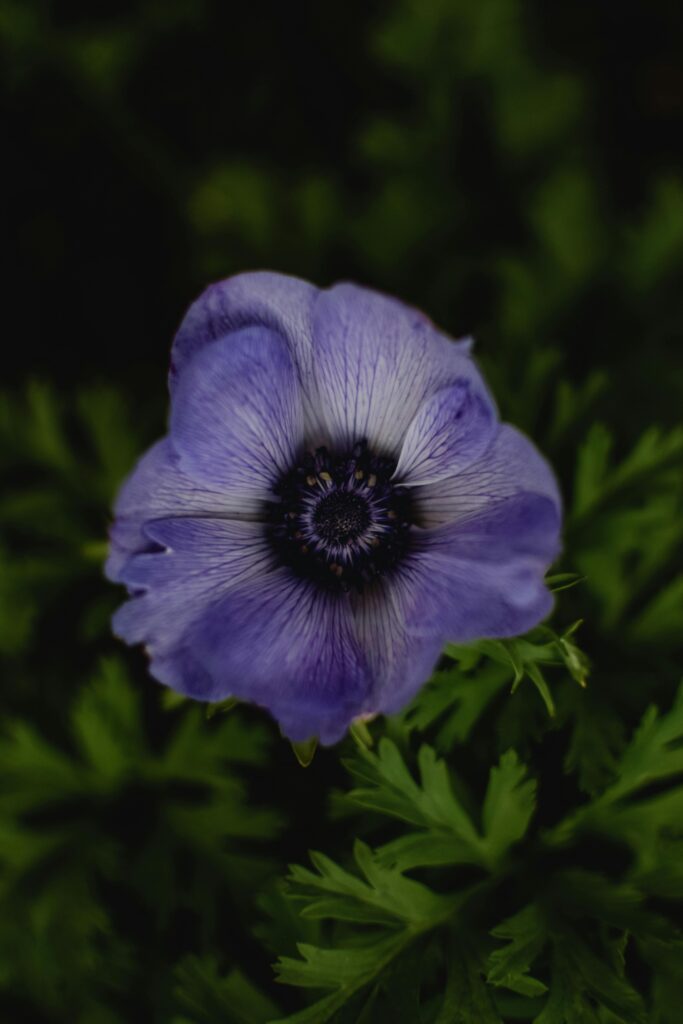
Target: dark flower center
(341, 517)
(340, 520)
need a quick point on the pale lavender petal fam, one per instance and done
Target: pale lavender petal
(452, 429)
(511, 465)
(156, 488)
(375, 361)
(399, 661)
(236, 419)
(262, 298)
(195, 562)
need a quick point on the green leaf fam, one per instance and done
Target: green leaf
(106, 723)
(661, 618)
(654, 753)
(508, 806)
(383, 896)
(391, 789)
(624, 808)
(466, 999)
(597, 740)
(563, 581)
(454, 700)
(539, 682)
(210, 998)
(345, 971)
(509, 966)
(581, 980)
(597, 484)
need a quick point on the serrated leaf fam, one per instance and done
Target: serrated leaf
(466, 999)
(212, 998)
(394, 791)
(345, 971)
(597, 484)
(106, 723)
(655, 752)
(581, 980)
(508, 806)
(383, 896)
(509, 966)
(453, 701)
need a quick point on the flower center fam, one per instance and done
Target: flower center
(340, 520)
(341, 517)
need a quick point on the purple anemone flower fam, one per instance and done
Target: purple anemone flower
(335, 498)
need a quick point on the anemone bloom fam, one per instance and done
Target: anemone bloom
(335, 499)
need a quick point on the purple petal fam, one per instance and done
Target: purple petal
(236, 420)
(452, 429)
(375, 361)
(286, 645)
(400, 662)
(483, 577)
(265, 299)
(201, 560)
(511, 465)
(157, 488)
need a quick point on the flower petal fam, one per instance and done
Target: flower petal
(219, 619)
(452, 429)
(284, 644)
(236, 420)
(281, 303)
(509, 466)
(195, 562)
(156, 488)
(399, 661)
(374, 363)
(483, 577)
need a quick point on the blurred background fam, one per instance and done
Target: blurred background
(512, 167)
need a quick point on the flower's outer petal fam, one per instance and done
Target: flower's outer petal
(218, 618)
(157, 488)
(399, 661)
(262, 298)
(483, 577)
(193, 564)
(236, 417)
(375, 361)
(286, 645)
(511, 465)
(452, 429)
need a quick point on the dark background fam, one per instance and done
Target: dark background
(513, 168)
(473, 163)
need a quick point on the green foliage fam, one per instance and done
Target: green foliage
(628, 525)
(208, 997)
(447, 834)
(566, 946)
(64, 809)
(55, 503)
